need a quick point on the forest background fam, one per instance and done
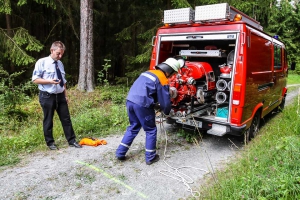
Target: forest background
(122, 33)
(118, 40)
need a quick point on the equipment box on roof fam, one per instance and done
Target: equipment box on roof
(183, 15)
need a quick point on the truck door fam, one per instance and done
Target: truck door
(259, 81)
(278, 75)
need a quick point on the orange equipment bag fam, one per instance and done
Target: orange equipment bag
(92, 142)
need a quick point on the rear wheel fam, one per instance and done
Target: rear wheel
(281, 106)
(252, 131)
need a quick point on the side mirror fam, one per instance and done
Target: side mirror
(293, 66)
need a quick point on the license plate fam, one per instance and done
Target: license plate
(193, 123)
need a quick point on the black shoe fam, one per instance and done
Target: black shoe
(53, 147)
(76, 145)
(155, 159)
(122, 158)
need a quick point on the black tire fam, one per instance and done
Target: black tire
(281, 106)
(254, 128)
(252, 131)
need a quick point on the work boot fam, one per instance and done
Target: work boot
(122, 158)
(155, 159)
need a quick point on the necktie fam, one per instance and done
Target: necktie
(58, 73)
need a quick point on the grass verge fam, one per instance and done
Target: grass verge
(293, 78)
(268, 168)
(95, 114)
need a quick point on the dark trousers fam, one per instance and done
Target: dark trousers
(50, 103)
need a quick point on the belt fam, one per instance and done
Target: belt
(47, 93)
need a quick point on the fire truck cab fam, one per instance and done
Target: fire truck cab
(234, 72)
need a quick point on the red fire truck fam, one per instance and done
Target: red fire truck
(234, 72)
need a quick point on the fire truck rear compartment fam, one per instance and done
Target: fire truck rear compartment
(203, 86)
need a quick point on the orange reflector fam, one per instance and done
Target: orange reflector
(237, 88)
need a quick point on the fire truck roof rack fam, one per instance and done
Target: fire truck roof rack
(208, 13)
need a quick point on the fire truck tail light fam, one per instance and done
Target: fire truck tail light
(234, 120)
(236, 94)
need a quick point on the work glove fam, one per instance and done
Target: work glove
(172, 92)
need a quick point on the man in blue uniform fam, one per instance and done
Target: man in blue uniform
(150, 89)
(49, 74)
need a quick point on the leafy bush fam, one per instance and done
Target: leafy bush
(116, 94)
(11, 95)
(100, 121)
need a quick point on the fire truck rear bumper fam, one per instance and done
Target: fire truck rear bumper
(214, 128)
(237, 130)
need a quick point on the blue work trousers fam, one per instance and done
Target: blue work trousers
(139, 116)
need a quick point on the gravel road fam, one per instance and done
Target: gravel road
(94, 173)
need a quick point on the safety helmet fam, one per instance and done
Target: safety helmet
(170, 66)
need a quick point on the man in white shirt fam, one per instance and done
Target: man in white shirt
(49, 74)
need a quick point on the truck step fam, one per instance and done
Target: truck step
(216, 132)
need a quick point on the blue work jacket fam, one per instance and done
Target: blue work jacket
(151, 87)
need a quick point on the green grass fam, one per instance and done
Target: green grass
(96, 114)
(293, 78)
(269, 167)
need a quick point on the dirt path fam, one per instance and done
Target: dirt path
(94, 173)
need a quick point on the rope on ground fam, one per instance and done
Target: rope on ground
(174, 172)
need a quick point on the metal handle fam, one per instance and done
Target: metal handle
(153, 39)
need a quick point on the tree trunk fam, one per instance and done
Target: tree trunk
(90, 75)
(10, 34)
(86, 68)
